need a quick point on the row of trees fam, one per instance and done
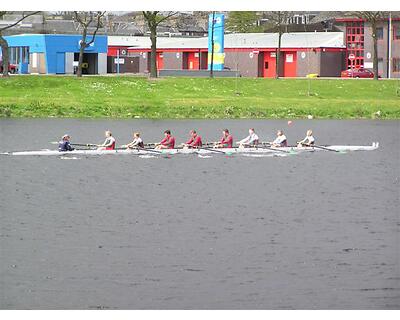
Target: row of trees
(237, 22)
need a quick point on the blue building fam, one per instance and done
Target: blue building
(56, 54)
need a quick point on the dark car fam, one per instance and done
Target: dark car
(357, 73)
(12, 68)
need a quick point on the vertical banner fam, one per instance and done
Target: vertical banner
(216, 32)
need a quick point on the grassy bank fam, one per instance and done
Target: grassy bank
(175, 98)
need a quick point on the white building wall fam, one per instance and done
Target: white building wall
(69, 63)
(102, 63)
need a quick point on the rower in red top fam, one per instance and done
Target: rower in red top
(226, 140)
(167, 143)
(194, 141)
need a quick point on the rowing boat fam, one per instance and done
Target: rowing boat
(256, 150)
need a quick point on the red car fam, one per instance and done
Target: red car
(357, 73)
(12, 68)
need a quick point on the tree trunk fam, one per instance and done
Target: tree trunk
(153, 55)
(375, 42)
(278, 55)
(6, 59)
(81, 52)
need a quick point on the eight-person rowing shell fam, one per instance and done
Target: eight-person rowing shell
(109, 143)
(167, 143)
(250, 140)
(226, 140)
(194, 140)
(280, 141)
(308, 141)
(137, 142)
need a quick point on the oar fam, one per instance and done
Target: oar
(275, 149)
(78, 144)
(140, 149)
(216, 151)
(327, 149)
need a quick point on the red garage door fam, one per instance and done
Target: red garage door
(269, 64)
(193, 60)
(160, 61)
(290, 64)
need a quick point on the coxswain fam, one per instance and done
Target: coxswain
(194, 141)
(137, 142)
(226, 140)
(280, 141)
(109, 143)
(167, 143)
(64, 144)
(308, 141)
(250, 140)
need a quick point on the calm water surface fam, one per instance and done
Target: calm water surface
(310, 231)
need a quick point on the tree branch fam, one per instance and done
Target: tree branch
(100, 15)
(166, 17)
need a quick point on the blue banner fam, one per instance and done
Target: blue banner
(216, 31)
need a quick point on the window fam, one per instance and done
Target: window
(380, 66)
(396, 64)
(355, 43)
(396, 33)
(379, 33)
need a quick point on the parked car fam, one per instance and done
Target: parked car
(12, 68)
(357, 73)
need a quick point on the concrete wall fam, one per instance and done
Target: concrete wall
(69, 63)
(37, 63)
(143, 64)
(308, 62)
(198, 73)
(173, 60)
(246, 62)
(102, 63)
(332, 63)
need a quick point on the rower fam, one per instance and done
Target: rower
(280, 141)
(250, 140)
(64, 144)
(194, 141)
(167, 143)
(109, 143)
(226, 140)
(308, 141)
(136, 143)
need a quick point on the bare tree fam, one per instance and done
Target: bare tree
(373, 17)
(3, 41)
(86, 19)
(279, 22)
(153, 19)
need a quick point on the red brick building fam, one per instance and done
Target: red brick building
(252, 54)
(358, 41)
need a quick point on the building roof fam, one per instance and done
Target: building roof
(240, 40)
(144, 41)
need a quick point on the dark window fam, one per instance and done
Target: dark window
(379, 33)
(266, 64)
(380, 66)
(396, 64)
(396, 33)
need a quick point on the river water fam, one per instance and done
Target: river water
(309, 231)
